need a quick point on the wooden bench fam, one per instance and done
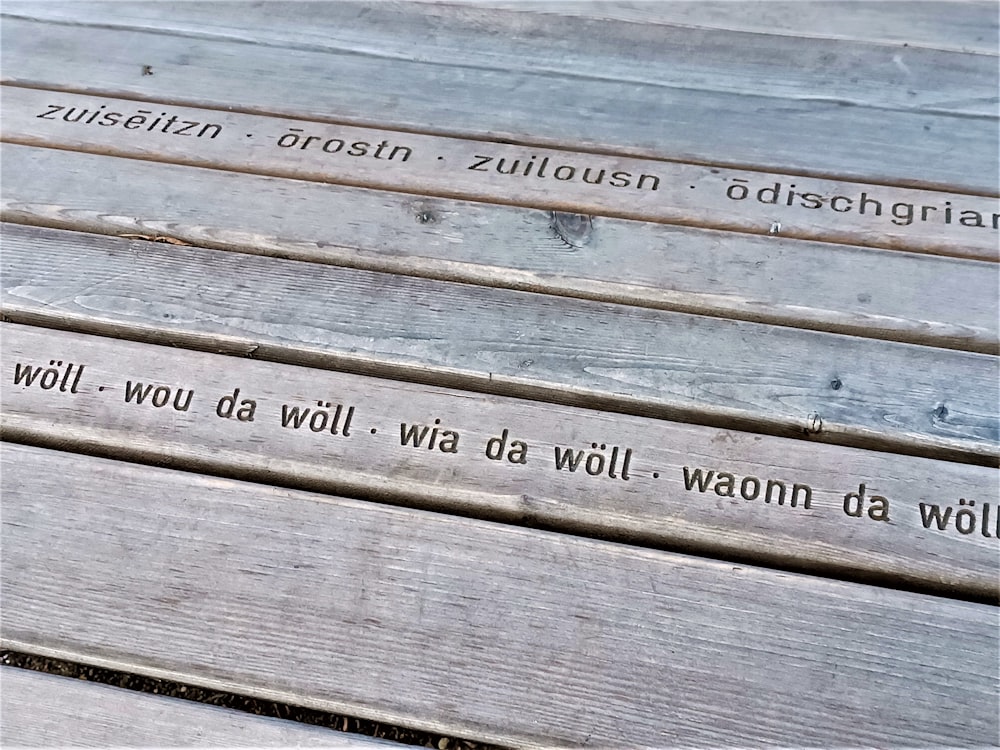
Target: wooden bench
(544, 375)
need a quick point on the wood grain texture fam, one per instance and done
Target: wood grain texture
(932, 300)
(471, 628)
(42, 710)
(771, 203)
(726, 373)
(964, 27)
(926, 149)
(470, 36)
(641, 489)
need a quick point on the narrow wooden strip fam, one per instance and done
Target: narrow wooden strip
(671, 192)
(963, 27)
(545, 109)
(727, 373)
(886, 76)
(906, 521)
(465, 627)
(42, 710)
(764, 279)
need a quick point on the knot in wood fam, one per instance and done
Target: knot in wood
(573, 229)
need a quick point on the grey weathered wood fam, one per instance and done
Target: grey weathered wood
(727, 373)
(932, 300)
(466, 627)
(886, 76)
(644, 500)
(541, 108)
(42, 710)
(965, 26)
(671, 192)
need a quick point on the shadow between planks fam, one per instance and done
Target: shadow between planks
(730, 374)
(814, 508)
(931, 300)
(426, 620)
(39, 709)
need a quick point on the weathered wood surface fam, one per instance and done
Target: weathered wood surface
(41, 710)
(785, 502)
(732, 374)
(964, 27)
(802, 135)
(466, 627)
(456, 623)
(473, 36)
(671, 192)
(765, 279)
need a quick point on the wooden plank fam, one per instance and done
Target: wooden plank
(964, 27)
(513, 460)
(42, 710)
(886, 76)
(734, 275)
(542, 109)
(671, 192)
(465, 627)
(731, 374)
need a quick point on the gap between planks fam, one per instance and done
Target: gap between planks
(465, 627)
(592, 473)
(773, 280)
(44, 710)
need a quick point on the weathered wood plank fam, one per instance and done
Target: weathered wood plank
(765, 279)
(671, 192)
(726, 373)
(544, 109)
(885, 76)
(964, 27)
(472, 628)
(42, 710)
(615, 476)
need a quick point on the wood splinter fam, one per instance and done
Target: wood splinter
(156, 238)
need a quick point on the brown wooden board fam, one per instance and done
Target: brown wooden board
(589, 46)
(762, 131)
(970, 26)
(731, 374)
(841, 511)
(471, 628)
(774, 203)
(934, 300)
(42, 710)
